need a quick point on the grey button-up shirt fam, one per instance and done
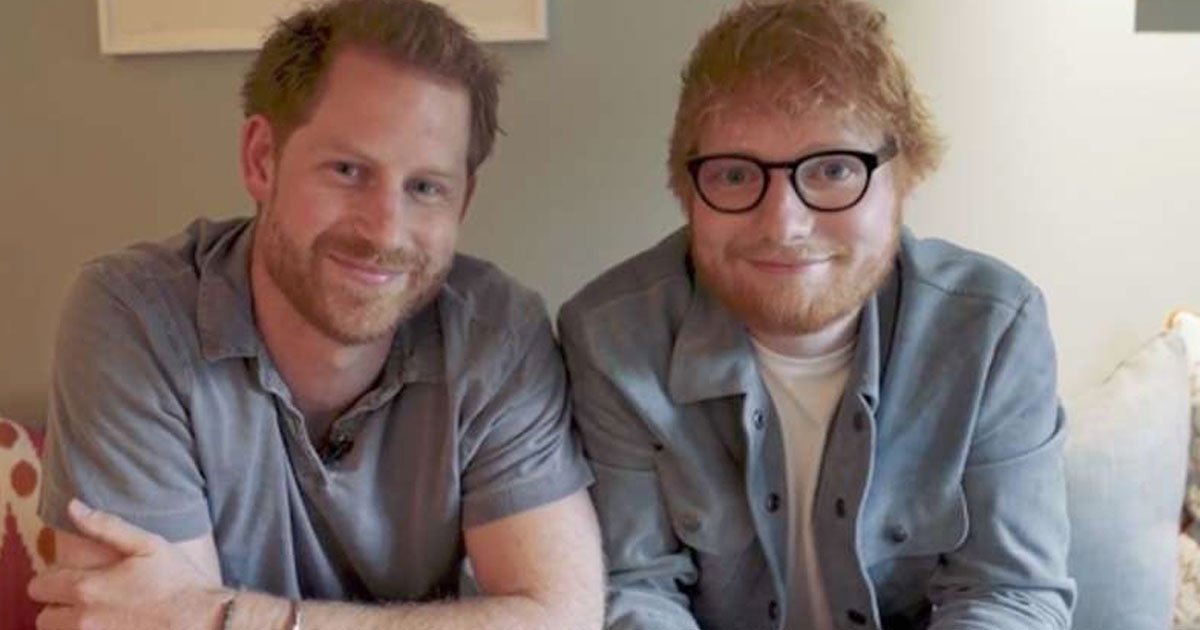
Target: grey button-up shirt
(940, 501)
(168, 411)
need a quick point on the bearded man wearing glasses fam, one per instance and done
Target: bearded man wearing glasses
(799, 414)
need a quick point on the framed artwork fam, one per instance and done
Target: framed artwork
(166, 26)
(1168, 16)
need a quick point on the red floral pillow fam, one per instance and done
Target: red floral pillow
(26, 545)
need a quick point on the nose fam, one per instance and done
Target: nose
(382, 216)
(782, 215)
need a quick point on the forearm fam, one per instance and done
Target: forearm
(1011, 572)
(633, 608)
(1003, 610)
(253, 611)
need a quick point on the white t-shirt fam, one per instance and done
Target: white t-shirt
(806, 392)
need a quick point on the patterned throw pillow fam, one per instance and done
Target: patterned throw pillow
(1188, 326)
(26, 545)
(1187, 602)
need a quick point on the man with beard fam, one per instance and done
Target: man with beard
(800, 415)
(323, 403)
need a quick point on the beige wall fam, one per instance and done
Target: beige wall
(98, 152)
(94, 153)
(1073, 155)
(1073, 144)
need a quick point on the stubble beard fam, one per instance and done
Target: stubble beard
(346, 314)
(794, 309)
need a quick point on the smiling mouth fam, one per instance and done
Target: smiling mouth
(790, 265)
(366, 272)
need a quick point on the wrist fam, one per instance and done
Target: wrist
(219, 604)
(294, 621)
(249, 609)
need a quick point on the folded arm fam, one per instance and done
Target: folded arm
(648, 565)
(1011, 573)
(539, 569)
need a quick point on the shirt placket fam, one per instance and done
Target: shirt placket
(841, 488)
(305, 458)
(766, 491)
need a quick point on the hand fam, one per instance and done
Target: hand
(153, 586)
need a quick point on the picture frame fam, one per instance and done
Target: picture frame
(1168, 16)
(131, 27)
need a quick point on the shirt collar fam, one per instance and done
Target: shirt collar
(224, 309)
(420, 344)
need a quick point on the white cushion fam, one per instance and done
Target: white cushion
(1126, 467)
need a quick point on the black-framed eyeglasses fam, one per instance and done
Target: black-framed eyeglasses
(828, 181)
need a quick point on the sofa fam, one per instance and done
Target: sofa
(26, 546)
(1127, 463)
(1128, 479)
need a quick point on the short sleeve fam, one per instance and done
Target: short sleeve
(520, 450)
(118, 433)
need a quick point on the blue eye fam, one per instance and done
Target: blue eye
(835, 170)
(735, 176)
(730, 173)
(426, 189)
(348, 170)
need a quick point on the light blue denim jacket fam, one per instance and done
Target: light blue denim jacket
(941, 498)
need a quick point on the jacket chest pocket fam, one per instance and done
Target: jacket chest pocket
(915, 522)
(713, 522)
(903, 544)
(707, 506)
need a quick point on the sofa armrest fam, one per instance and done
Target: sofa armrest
(26, 545)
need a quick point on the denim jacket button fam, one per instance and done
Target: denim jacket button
(772, 502)
(897, 534)
(757, 419)
(690, 523)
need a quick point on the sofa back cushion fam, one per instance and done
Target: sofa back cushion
(1126, 464)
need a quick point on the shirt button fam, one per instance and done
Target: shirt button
(757, 418)
(856, 617)
(773, 610)
(839, 507)
(690, 523)
(772, 502)
(897, 534)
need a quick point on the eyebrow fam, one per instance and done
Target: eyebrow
(808, 149)
(341, 146)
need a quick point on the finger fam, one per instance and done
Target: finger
(111, 530)
(59, 618)
(59, 586)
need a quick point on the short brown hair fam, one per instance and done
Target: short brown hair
(805, 53)
(285, 80)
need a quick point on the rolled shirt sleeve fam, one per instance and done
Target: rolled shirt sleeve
(520, 449)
